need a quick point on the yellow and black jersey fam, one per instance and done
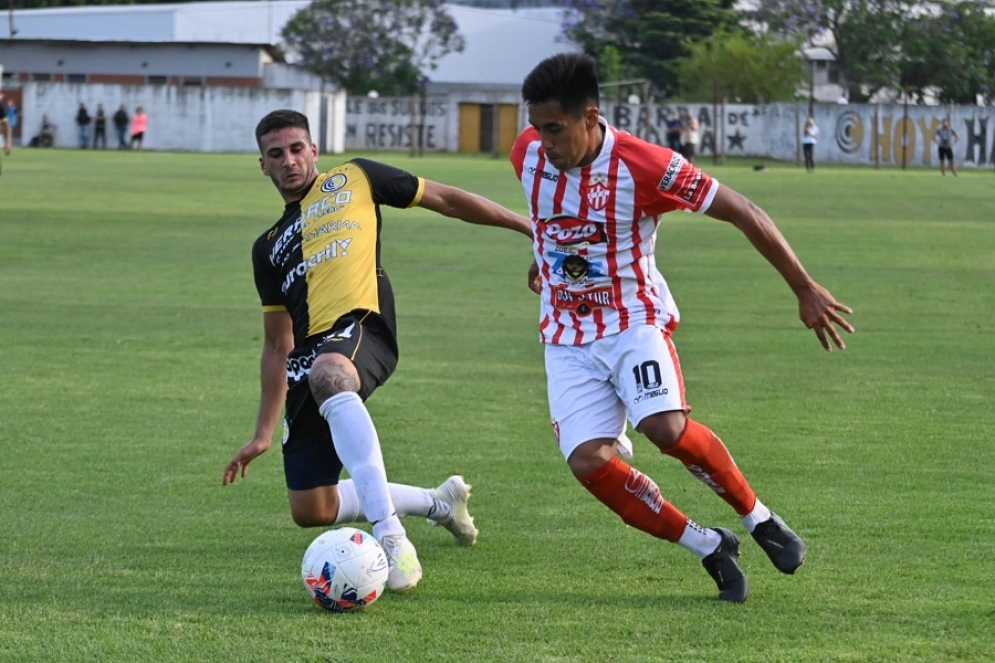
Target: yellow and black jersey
(322, 258)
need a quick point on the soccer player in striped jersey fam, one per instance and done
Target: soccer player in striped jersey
(595, 196)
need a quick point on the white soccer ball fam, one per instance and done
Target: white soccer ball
(344, 569)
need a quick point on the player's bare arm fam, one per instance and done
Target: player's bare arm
(278, 340)
(817, 307)
(460, 204)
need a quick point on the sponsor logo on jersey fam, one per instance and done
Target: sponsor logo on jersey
(283, 241)
(544, 174)
(326, 205)
(670, 176)
(332, 226)
(598, 192)
(584, 301)
(693, 187)
(334, 183)
(572, 267)
(336, 249)
(571, 231)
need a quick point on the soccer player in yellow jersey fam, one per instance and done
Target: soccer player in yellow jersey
(330, 339)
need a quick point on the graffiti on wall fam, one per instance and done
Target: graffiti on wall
(395, 123)
(909, 139)
(858, 134)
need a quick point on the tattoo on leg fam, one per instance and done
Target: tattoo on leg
(332, 379)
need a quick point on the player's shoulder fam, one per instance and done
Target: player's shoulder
(636, 152)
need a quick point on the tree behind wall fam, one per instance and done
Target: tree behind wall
(741, 67)
(650, 35)
(865, 35)
(388, 46)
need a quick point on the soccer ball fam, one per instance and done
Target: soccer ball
(344, 569)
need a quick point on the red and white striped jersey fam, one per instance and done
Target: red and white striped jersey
(594, 233)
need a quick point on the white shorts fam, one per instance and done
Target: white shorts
(593, 388)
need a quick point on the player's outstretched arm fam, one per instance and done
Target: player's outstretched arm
(278, 339)
(817, 307)
(457, 203)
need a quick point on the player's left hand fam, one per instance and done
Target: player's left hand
(535, 285)
(820, 312)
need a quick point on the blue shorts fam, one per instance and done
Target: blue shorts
(309, 457)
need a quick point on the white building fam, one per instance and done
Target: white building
(185, 53)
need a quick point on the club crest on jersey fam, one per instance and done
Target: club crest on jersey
(598, 192)
(334, 183)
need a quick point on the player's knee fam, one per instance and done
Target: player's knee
(332, 374)
(310, 517)
(590, 455)
(663, 429)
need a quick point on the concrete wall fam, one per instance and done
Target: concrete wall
(222, 119)
(196, 119)
(858, 134)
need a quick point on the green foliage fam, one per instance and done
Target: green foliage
(650, 35)
(741, 67)
(865, 35)
(388, 46)
(130, 339)
(951, 53)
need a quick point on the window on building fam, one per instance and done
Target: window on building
(41, 77)
(834, 73)
(157, 80)
(76, 78)
(193, 80)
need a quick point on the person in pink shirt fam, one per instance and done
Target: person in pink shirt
(139, 125)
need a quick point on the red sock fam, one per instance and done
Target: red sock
(704, 455)
(636, 499)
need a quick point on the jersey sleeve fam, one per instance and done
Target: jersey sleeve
(392, 186)
(665, 180)
(267, 279)
(518, 150)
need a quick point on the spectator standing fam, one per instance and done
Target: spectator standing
(945, 139)
(5, 128)
(809, 138)
(100, 128)
(674, 127)
(13, 117)
(690, 137)
(83, 120)
(139, 125)
(121, 121)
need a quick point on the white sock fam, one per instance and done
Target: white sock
(408, 501)
(358, 447)
(759, 514)
(702, 542)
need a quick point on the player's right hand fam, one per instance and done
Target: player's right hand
(239, 464)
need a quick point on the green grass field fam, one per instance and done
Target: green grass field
(130, 335)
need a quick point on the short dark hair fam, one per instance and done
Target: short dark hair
(568, 78)
(281, 119)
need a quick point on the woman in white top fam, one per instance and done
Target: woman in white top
(809, 140)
